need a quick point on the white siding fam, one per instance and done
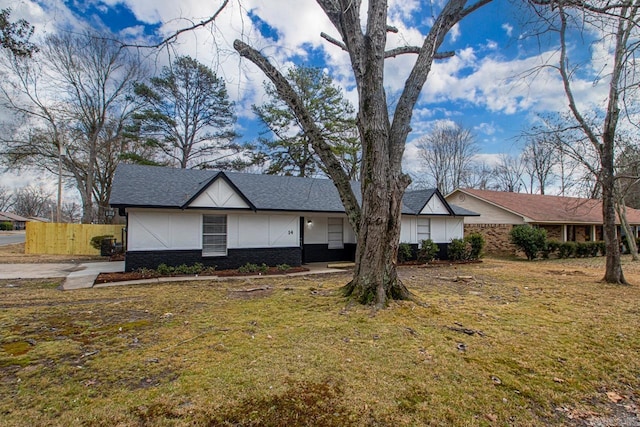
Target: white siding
(152, 230)
(434, 206)
(263, 231)
(317, 232)
(408, 232)
(219, 194)
(163, 230)
(489, 214)
(349, 235)
(443, 229)
(455, 228)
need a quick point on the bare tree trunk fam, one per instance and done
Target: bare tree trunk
(375, 277)
(621, 209)
(377, 221)
(605, 144)
(87, 204)
(613, 271)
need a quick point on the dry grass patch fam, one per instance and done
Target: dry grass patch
(497, 343)
(14, 254)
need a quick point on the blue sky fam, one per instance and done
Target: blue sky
(481, 88)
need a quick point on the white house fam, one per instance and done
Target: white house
(226, 219)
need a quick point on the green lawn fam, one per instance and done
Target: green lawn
(516, 343)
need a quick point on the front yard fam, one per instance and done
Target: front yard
(496, 343)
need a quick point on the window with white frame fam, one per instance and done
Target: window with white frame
(424, 229)
(214, 235)
(334, 227)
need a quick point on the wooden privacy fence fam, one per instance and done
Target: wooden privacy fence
(67, 239)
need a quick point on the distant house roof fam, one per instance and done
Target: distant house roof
(536, 208)
(8, 216)
(39, 219)
(161, 187)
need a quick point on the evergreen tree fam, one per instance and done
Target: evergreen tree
(288, 148)
(189, 116)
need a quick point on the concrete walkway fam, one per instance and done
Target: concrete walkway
(86, 274)
(83, 276)
(36, 271)
(77, 276)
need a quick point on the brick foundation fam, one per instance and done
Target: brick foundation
(235, 258)
(322, 253)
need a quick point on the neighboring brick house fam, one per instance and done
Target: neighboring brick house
(564, 218)
(228, 219)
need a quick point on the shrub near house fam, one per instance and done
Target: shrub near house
(533, 242)
(530, 240)
(466, 249)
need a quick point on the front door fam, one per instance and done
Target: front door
(302, 227)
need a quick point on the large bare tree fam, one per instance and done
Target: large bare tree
(376, 221)
(615, 25)
(448, 152)
(31, 201)
(74, 100)
(6, 198)
(508, 173)
(540, 158)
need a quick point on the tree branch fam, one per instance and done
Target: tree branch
(473, 8)
(452, 13)
(390, 53)
(293, 101)
(334, 41)
(416, 50)
(182, 30)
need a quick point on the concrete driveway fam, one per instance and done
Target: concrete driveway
(78, 276)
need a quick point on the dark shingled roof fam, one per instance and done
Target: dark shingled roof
(161, 187)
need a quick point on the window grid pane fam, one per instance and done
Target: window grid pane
(214, 235)
(424, 229)
(334, 233)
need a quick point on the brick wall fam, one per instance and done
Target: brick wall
(235, 258)
(321, 253)
(583, 233)
(554, 232)
(496, 237)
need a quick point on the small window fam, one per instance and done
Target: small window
(214, 235)
(335, 233)
(424, 229)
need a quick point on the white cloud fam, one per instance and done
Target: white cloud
(470, 78)
(508, 29)
(411, 161)
(486, 128)
(488, 159)
(454, 33)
